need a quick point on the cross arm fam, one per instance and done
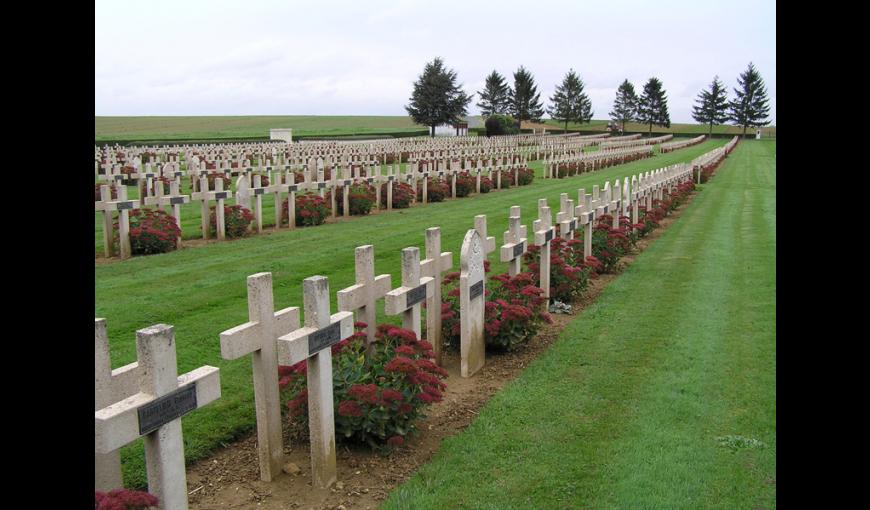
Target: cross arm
(246, 338)
(396, 301)
(445, 263)
(118, 424)
(293, 347)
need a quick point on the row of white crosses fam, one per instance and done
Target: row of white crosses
(633, 143)
(672, 146)
(146, 399)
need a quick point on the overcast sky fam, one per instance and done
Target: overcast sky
(321, 57)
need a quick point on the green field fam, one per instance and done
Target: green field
(661, 394)
(180, 128)
(214, 128)
(201, 291)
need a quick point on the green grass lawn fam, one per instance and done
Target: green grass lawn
(202, 291)
(654, 396)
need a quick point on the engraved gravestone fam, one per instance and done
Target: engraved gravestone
(471, 304)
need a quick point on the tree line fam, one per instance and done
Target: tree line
(437, 99)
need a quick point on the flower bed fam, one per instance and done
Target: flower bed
(151, 231)
(113, 190)
(311, 210)
(378, 396)
(237, 221)
(485, 184)
(465, 184)
(514, 310)
(403, 195)
(436, 191)
(361, 198)
(569, 272)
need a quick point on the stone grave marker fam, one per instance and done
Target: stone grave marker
(363, 296)
(436, 262)
(219, 195)
(414, 290)
(110, 386)
(488, 243)
(243, 192)
(123, 206)
(312, 343)
(515, 242)
(471, 304)
(544, 233)
(258, 337)
(155, 412)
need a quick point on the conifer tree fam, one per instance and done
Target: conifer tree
(712, 105)
(569, 102)
(750, 108)
(652, 107)
(495, 97)
(525, 99)
(437, 99)
(625, 105)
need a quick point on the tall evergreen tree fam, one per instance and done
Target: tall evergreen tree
(495, 96)
(750, 107)
(652, 107)
(569, 102)
(625, 106)
(712, 105)
(525, 99)
(437, 99)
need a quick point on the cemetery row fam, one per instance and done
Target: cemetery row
(386, 151)
(634, 143)
(308, 201)
(147, 398)
(322, 191)
(681, 144)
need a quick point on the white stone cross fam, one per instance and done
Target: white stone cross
(544, 233)
(363, 296)
(243, 192)
(258, 337)
(566, 220)
(218, 195)
(155, 412)
(488, 243)
(436, 262)
(585, 213)
(472, 289)
(174, 198)
(313, 343)
(515, 242)
(110, 386)
(414, 290)
(258, 190)
(123, 206)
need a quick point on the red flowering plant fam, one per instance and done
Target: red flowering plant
(237, 221)
(506, 180)
(436, 191)
(113, 190)
(465, 184)
(403, 195)
(485, 184)
(361, 198)
(151, 231)
(609, 244)
(264, 179)
(513, 311)
(213, 176)
(311, 210)
(569, 272)
(377, 397)
(526, 175)
(127, 171)
(124, 499)
(163, 180)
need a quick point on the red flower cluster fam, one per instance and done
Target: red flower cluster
(151, 231)
(124, 499)
(403, 195)
(311, 210)
(237, 221)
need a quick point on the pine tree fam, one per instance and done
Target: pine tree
(569, 103)
(750, 107)
(712, 105)
(495, 97)
(437, 99)
(525, 99)
(652, 107)
(625, 106)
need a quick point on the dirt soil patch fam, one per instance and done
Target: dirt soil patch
(230, 478)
